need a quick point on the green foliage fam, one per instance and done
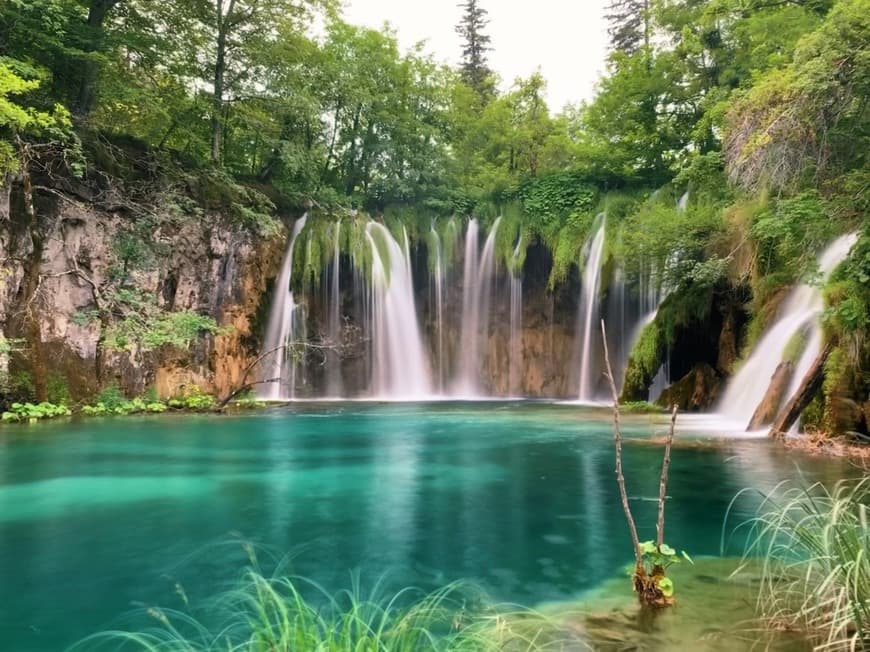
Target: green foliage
(57, 388)
(789, 234)
(148, 327)
(194, 400)
(644, 360)
(656, 561)
(123, 407)
(17, 119)
(31, 412)
(641, 407)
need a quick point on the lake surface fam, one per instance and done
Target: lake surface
(101, 517)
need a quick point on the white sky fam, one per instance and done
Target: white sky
(566, 39)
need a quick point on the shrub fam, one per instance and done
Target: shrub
(31, 412)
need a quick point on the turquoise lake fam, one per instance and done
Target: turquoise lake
(101, 517)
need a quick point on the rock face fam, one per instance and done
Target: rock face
(59, 257)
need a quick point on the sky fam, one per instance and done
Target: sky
(566, 39)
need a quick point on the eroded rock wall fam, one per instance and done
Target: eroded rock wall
(56, 262)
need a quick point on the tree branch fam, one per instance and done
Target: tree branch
(617, 439)
(663, 484)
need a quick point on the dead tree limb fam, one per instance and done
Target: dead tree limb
(663, 484)
(809, 386)
(617, 439)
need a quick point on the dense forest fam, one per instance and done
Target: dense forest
(175, 116)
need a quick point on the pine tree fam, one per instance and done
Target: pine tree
(475, 70)
(629, 25)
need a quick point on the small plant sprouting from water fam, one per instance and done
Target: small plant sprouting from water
(652, 558)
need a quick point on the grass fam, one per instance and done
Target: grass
(273, 615)
(815, 547)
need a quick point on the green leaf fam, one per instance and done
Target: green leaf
(648, 547)
(666, 586)
(665, 549)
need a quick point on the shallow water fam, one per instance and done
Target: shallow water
(99, 517)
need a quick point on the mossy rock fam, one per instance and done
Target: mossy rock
(697, 390)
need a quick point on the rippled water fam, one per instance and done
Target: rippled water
(101, 516)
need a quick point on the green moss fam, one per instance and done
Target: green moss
(795, 347)
(644, 362)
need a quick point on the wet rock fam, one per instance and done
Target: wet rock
(727, 344)
(695, 391)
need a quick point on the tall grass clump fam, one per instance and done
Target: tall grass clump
(293, 614)
(815, 547)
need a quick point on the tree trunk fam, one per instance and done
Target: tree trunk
(809, 386)
(97, 12)
(220, 65)
(767, 410)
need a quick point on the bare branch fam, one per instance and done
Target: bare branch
(663, 484)
(617, 439)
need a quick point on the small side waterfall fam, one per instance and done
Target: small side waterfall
(279, 377)
(515, 360)
(477, 293)
(800, 311)
(399, 367)
(333, 326)
(438, 277)
(588, 317)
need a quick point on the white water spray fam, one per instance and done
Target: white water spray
(477, 292)
(515, 360)
(399, 367)
(801, 310)
(280, 372)
(589, 311)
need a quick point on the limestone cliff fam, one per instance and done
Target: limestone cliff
(61, 249)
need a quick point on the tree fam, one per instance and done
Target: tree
(475, 44)
(629, 26)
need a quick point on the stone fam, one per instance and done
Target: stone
(695, 391)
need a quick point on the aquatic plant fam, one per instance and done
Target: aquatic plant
(32, 412)
(815, 544)
(295, 614)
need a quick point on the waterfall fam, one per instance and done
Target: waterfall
(399, 368)
(333, 326)
(515, 359)
(477, 292)
(683, 202)
(588, 317)
(280, 371)
(438, 280)
(801, 310)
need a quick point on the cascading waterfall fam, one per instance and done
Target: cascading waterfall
(477, 293)
(438, 278)
(800, 311)
(515, 359)
(333, 326)
(399, 367)
(279, 379)
(588, 317)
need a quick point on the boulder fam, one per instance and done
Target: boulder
(695, 391)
